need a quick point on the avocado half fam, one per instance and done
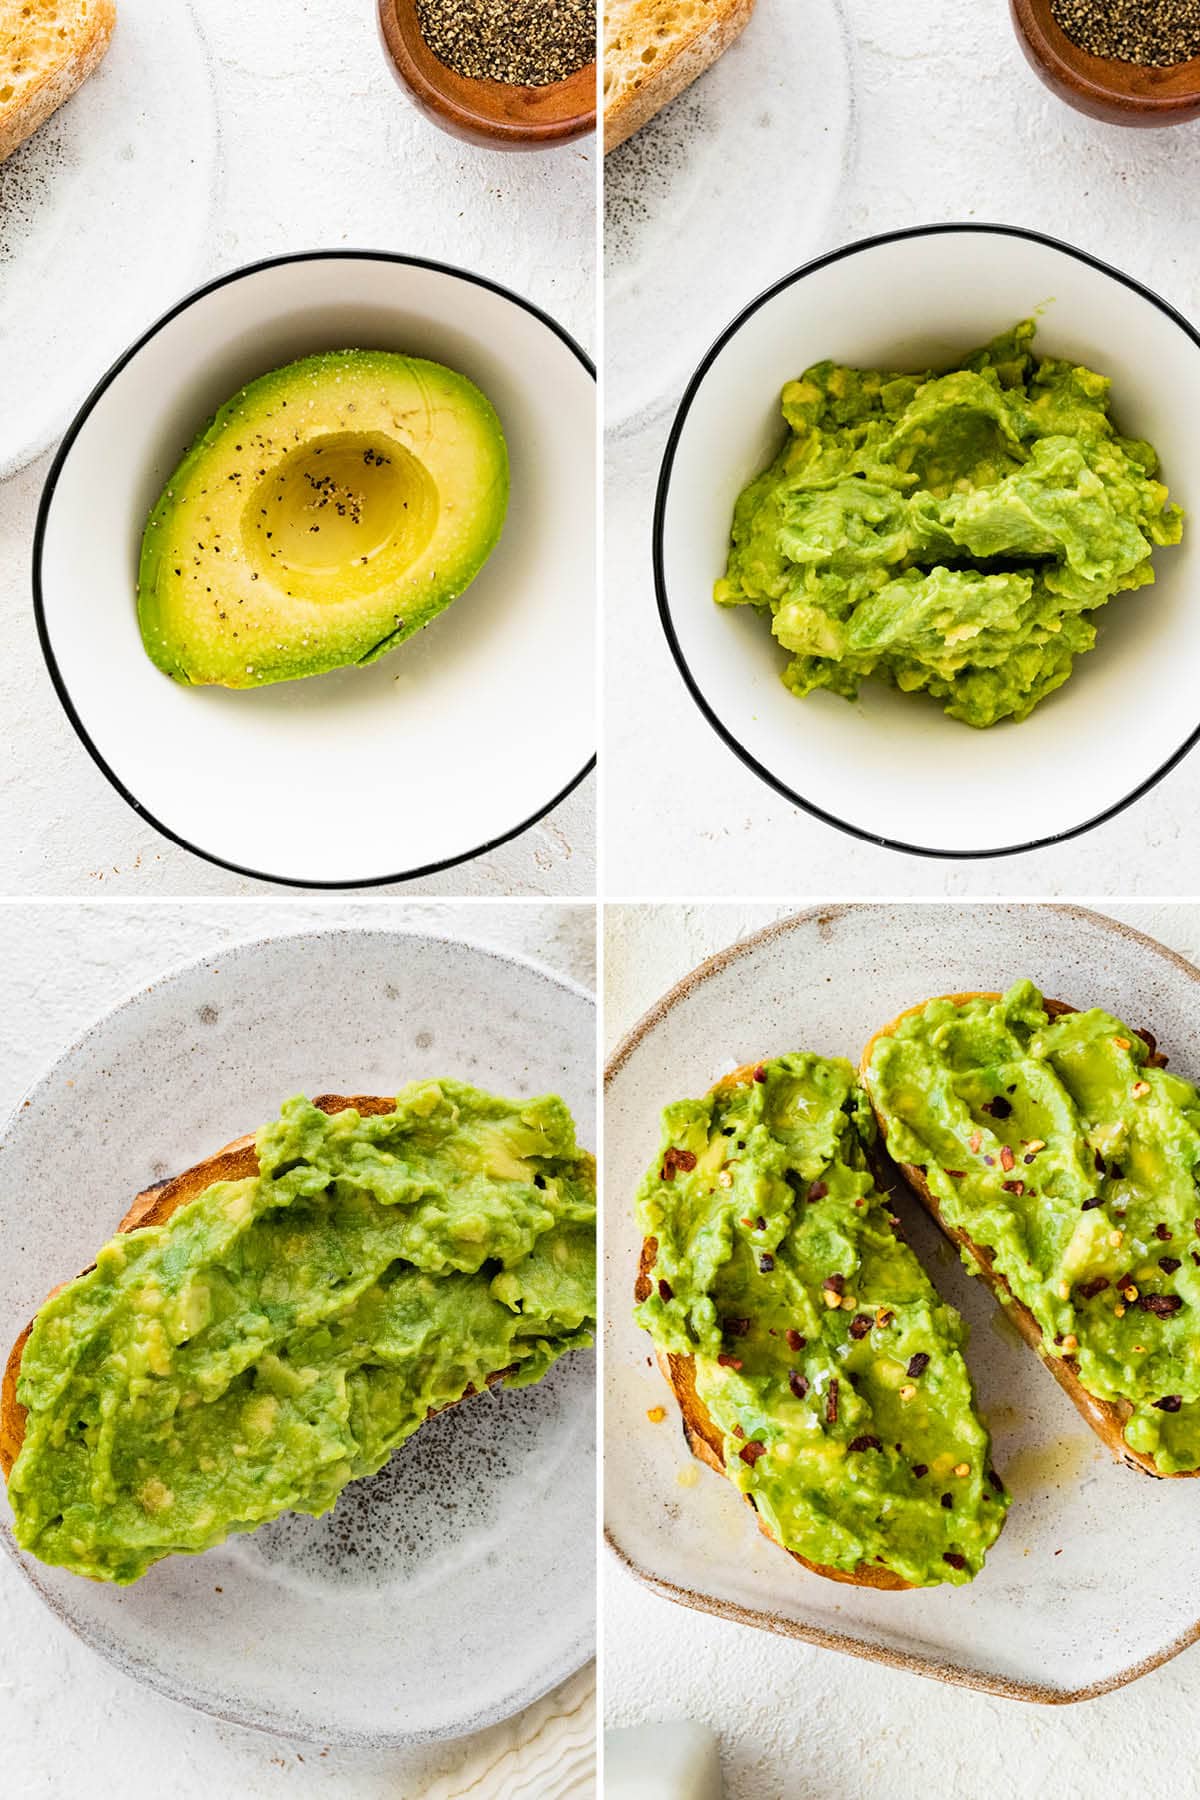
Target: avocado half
(330, 510)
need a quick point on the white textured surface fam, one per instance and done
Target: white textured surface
(950, 123)
(69, 1722)
(810, 1724)
(320, 148)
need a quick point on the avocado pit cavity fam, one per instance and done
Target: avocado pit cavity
(337, 505)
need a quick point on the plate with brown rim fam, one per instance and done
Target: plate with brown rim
(1096, 1577)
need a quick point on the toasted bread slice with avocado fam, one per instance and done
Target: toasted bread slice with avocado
(1108, 1418)
(154, 1206)
(273, 1324)
(48, 48)
(861, 1421)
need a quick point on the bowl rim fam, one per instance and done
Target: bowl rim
(192, 298)
(1104, 80)
(662, 497)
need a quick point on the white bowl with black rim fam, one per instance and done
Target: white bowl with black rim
(461, 739)
(890, 767)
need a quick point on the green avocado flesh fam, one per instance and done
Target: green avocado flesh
(331, 509)
(949, 533)
(279, 1336)
(825, 1358)
(1071, 1160)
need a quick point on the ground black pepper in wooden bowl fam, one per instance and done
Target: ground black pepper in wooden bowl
(1153, 33)
(523, 43)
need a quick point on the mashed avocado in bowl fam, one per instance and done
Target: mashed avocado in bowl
(953, 533)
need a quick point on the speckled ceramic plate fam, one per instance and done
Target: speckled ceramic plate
(104, 216)
(1096, 1577)
(457, 1585)
(684, 241)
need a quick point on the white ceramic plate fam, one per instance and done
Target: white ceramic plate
(1096, 1576)
(457, 1585)
(459, 740)
(104, 217)
(681, 245)
(891, 767)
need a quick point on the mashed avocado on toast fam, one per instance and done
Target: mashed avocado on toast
(953, 533)
(331, 509)
(827, 1362)
(280, 1336)
(1061, 1148)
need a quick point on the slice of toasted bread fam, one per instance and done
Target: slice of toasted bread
(1106, 1417)
(653, 49)
(154, 1206)
(48, 48)
(703, 1438)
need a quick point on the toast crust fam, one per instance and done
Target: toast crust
(675, 69)
(703, 1438)
(59, 77)
(154, 1206)
(1106, 1417)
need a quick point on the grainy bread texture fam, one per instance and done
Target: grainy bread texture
(653, 49)
(48, 48)
(1106, 1417)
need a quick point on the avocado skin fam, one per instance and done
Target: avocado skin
(397, 396)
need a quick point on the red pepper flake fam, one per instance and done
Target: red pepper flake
(1029, 1156)
(1089, 1204)
(975, 1143)
(818, 1190)
(860, 1324)
(665, 1291)
(795, 1341)
(1196, 1222)
(766, 1262)
(1163, 1233)
(920, 1470)
(751, 1452)
(883, 1318)
(831, 1403)
(1095, 1286)
(797, 1383)
(836, 1284)
(760, 1074)
(866, 1442)
(947, 1501)
(954, 1559)
(735, 1327)
(738, 1432)
(956, 1174)
(760, 1224)
(1014, 1187)
(1007, 1159)
(1168, 1264)
(1169, 1403)
(1196, 1258)
(729, 1362)
(677, 1159)
(1161, 1305)
(918, 1364)
(990, 1161)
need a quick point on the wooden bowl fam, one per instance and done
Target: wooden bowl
(497, 114)
(1123, 93)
